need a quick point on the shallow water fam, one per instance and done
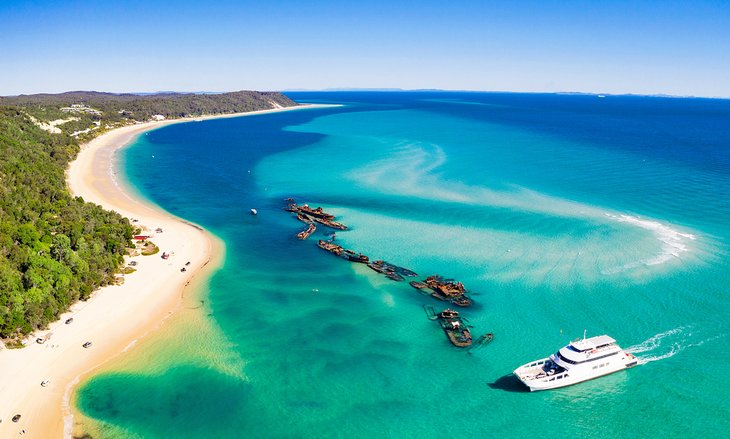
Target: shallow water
(561, 213)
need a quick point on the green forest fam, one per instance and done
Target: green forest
(56, 249)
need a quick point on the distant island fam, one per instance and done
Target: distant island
(56, 249)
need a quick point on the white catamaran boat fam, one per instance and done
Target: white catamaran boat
(579, 361)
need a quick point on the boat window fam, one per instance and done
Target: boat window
(573, 348)
(586, 361)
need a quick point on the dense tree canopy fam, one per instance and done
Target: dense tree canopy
(56, 249)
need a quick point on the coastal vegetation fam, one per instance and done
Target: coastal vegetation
(85, 114)
(56, 249)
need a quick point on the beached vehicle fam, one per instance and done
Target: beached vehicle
(420, 286)
(580, 360)
(330, 223)
(305, 209)
(133, 263)
(87, 344)
(377, 267)
(355, 257)
(385, 270)
(304, 218)
(304, 234)
(400, 270)
(44, 383)
(454, 327)
(317, 212)
(16, 418)
(69, 320)
(462, 301)
(330, 247)
(165, 255)
(448, 290)
(394, 276)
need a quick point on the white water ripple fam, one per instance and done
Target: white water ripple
(673, 241)
(667, 344)
(413, 170)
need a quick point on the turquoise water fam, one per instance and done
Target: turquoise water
(561, 213)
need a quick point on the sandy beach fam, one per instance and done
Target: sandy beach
(116, 316)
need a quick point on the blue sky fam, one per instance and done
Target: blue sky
(646, 47)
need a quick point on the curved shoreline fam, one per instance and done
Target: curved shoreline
(116, 316)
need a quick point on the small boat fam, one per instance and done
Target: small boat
(304, 234)
(254, 212)
(87, 344)
(580, 360)
(454, 327)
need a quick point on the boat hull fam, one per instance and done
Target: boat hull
(570, 377)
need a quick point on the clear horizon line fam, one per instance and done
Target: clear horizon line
(382, 89)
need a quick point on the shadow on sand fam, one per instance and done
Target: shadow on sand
(509, 383)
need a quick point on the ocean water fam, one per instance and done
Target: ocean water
(561, 213)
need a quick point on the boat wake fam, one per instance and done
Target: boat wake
(666, 345)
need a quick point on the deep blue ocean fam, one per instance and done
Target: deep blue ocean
(561, 213)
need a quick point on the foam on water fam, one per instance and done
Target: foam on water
(412, 170)
(668, 344)
(674, 241)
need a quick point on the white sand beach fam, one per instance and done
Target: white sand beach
(115, 316)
